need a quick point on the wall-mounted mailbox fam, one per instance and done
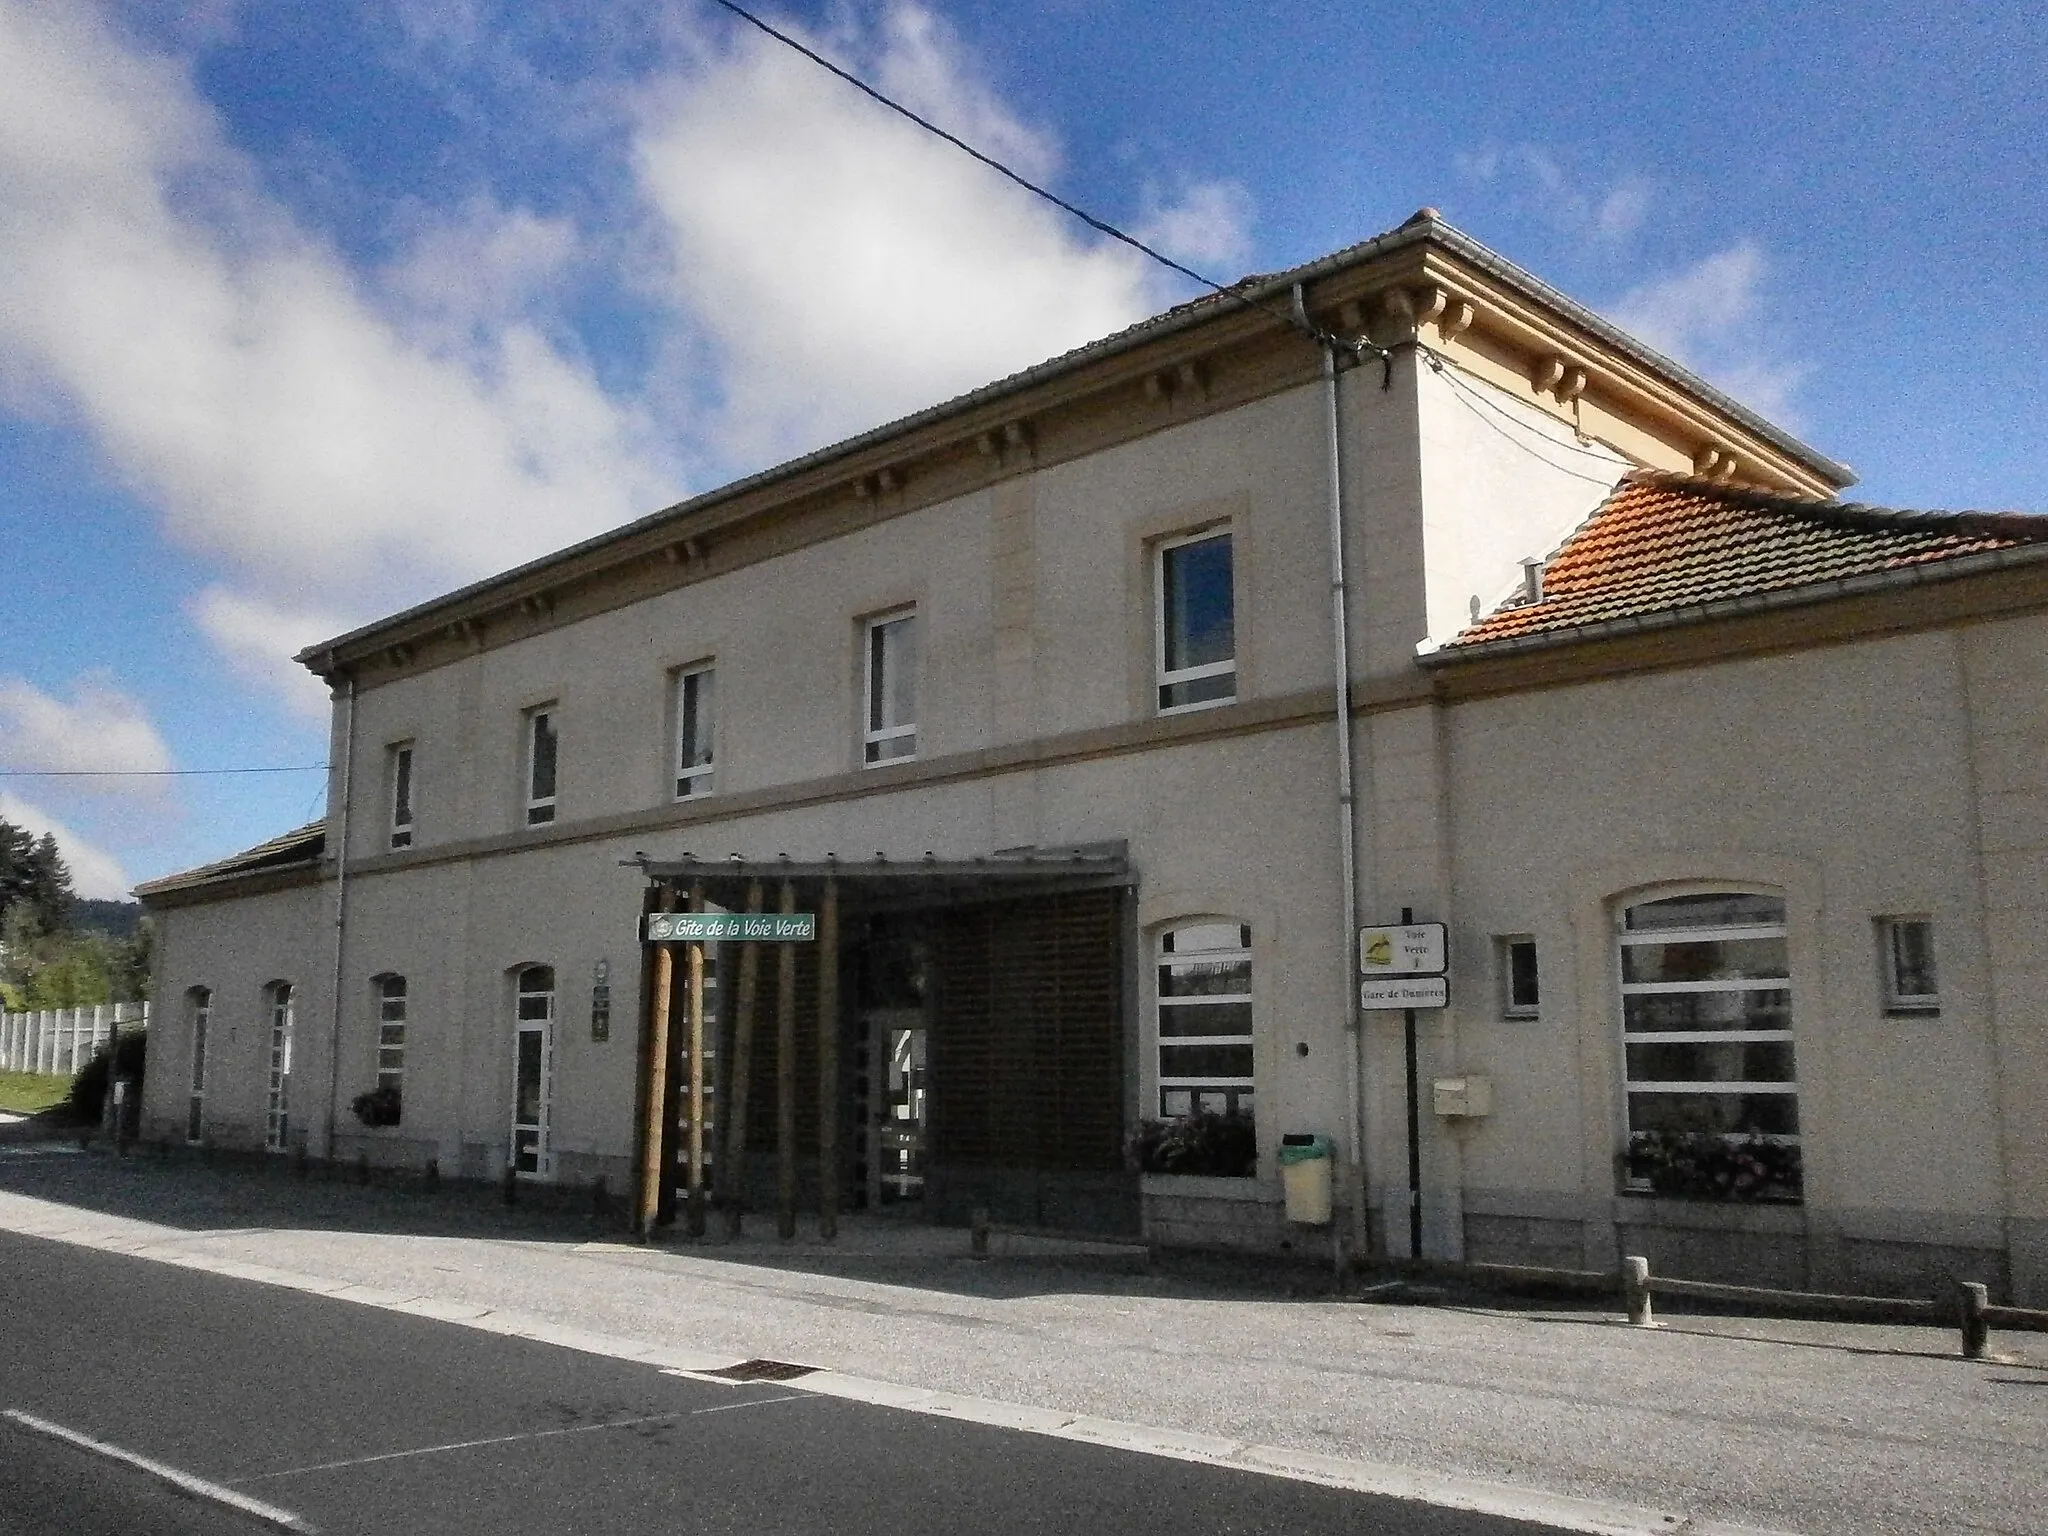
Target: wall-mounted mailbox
(1462, 1098)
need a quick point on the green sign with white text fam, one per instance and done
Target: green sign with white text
(731, 927)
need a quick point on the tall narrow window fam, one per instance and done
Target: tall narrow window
(891, 732)
(1516, 955)
(696, 723)
(1205, 1020)
(1197, 628)
(532, 1068)
(277, 1109)
(199, 1005)
(1706, 998)
(541, 748)
(1907, 947)
(391, 1003)
(401, 795)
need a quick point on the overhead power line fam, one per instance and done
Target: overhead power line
(147, 773)
(1314, 332)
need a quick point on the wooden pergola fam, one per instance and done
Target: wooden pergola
(672, 1067)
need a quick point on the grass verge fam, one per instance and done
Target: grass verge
(25, 1093)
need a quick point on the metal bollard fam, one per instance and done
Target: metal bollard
(1971, 1301)
(977, 1241)
(362, 1168)
(300, 1165)
(1635, 1290)
(511, 1184)
(600, 1197)
(431, 1177)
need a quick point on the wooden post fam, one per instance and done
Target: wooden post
(649, 1193)
(828, 1063)
(1972, 1299)
(696, 1094)
(785, 1076)
(1635, 1290)
(739, 1077)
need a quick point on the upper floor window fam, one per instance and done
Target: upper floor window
(890, 731)
(400, 776)
(696, 721)
(1706, 1004)
(541, 748)
(1907, 951)
(1197, 629)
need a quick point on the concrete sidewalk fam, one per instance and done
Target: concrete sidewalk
(1788, 1426)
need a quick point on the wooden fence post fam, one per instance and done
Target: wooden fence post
(738, 1078)
(651, 1161)
(828, 1063)
(785, 1076)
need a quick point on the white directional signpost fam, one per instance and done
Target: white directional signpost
(1403, 965)
(732, 927)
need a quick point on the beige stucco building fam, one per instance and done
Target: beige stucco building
(1733, 801)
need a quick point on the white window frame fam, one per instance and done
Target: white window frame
(1162, 677)
(540, 1021)
(1632, 1086)
(1512, 1007)
(1892, 966)
(199, 1005)
(540, 809)
(1239, 1092)
(393, 1011)
(877, 733)
(280, 1002)
(689, 781)
(400, 779)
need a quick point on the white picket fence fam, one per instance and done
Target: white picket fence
(58, 1041)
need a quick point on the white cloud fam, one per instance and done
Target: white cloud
(95, 873)
(247, 383)
(259, 639)
(99, 729)
(1707, 316)
(1573, 204)
(843, 265)
(1210, 226)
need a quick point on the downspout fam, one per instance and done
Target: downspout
(348, 763)
(1347, 774)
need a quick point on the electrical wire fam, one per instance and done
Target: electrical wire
(1480, 406)
(1314, 332)
(147, 773)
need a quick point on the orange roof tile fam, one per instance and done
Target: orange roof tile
(1662, 542)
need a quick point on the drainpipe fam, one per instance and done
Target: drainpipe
(348, 763)
(1347, 772)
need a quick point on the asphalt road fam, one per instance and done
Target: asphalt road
(359, 1419)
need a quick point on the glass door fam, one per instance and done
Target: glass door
(532, 1069)
(897, 1109)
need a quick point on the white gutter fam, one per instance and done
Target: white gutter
(1347, 783)
(348, 763)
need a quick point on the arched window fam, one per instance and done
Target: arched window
(199, 1010)
(1204, 1019)
(277, 998)
(1706, 1001)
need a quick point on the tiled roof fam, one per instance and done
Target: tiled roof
(1664, 542)
(304, 845)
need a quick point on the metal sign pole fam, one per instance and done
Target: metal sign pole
(1414, 1124)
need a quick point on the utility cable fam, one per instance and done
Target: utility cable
(1480, 406)
(1314, 332)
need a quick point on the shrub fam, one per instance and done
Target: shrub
(89, 1088)
(1225, 1146)
(380, 1106)
(1710, 1165)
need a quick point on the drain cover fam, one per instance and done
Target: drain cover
(762, 1370)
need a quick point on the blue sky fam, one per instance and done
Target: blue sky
(313, 311)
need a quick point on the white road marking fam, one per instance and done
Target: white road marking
(1594, 1517)
(536, 1434)
(185, 1482)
